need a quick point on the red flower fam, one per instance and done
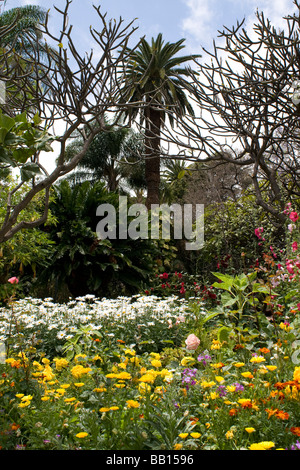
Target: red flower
(294, 216)
(294, 246)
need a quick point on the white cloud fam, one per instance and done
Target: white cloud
(274, 10)
(205, 17)
(199, 23)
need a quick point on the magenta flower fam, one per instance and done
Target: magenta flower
(13, 280)
(258, 231)
(294, 216)
(294, 246)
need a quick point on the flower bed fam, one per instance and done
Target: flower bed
(130, 374)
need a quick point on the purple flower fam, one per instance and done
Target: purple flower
(222, 391)
(204, 358)
(238, 387)
(188, 377)
(296, 446)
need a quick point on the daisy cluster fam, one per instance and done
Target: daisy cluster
(37, 319)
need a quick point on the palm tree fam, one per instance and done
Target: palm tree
(25, 20)
(113, 157)
(155, 78)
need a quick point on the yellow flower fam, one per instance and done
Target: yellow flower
(132, 404)
(79, 370)
(79, 384)
(97, 358)
(218, 365)
(122, 365)
(130, 351)
(104, 409)
(183, 435)
(239, 364)
(100, 389)
(216, 344)
(60, 363)
(257, 359)
(81, 435)
(45, 361)
(23, 404)
(271, 368)
(114, 408)
(144, 388)
(206, 384)
(219, 378)
(156, 363)
(177, 446)
(231, 388)
(148, 378)
(166, 374)
(247, 375)
(296, 375)
(119, 385)
(135, 360)
(27, 397)
(48, 373)
(187, 361)
(78, 356)
(124, 376)
(229, 434)
(37, 365)
(285, 326)
(195, 435)
(19, 395)
(250, 430)
(69, 400)
(45, 398)
(264, 445)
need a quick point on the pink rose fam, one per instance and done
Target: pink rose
(13, 280)
(294, 246)
(294, 216)
(192, 342)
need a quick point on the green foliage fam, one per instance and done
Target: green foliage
(83, 261)
(240, 291)
(29, 249)
(230, 242)
(20, 140)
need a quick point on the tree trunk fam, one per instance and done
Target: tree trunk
(152, 160)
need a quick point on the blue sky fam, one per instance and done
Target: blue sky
(198, 21)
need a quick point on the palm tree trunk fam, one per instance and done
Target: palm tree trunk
(152, 160)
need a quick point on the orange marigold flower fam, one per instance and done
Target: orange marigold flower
(295, 430)
(271, 412)
(233, 412)
(264, 350)
(282, 415)
(245, 403)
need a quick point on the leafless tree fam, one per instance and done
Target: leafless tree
(62, 85)
(244, 109)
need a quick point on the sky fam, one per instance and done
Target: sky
(198, 21)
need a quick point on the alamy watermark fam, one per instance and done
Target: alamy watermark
(136, 222)
(296, 354)
(2, 353)
(2, 92)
